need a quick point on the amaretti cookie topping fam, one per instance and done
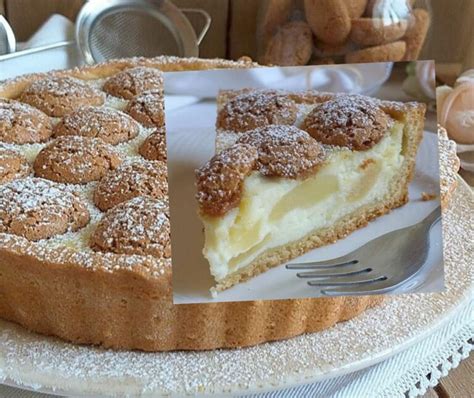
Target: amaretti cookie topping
(154, 146)
(59, 95)
(38, 209)
(350, 121)
(251, 110)
(148, 108)
(130, 180)
(23, 124)
(219, 182)
(131, 82)
(108, 124)
(139, 226)
(273, 151)
(13, 165)
(76, 160)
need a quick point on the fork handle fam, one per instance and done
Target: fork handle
(433, 217)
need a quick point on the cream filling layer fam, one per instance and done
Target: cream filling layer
(276, 211)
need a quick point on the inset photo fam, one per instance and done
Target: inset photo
(299, 182)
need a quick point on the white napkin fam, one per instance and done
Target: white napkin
(57, 28)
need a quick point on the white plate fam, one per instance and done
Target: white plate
(191, 138)
(48, 364)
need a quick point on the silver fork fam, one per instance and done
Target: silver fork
(380, 266)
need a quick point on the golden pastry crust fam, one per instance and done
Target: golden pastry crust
(376, 31)
(134, 81)
(59, 95)
(23, 124)
(76, 160)
(140, 226)
(252, 110)
(154, 146)
(350, 121)
(148, 109)
(38, 209)
(110, 125)
(130, 180)
(13, 165)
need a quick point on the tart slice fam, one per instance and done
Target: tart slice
(295, 171)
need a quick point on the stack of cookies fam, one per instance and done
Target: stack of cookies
(333, 31)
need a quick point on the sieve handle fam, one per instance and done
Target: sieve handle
(35, 50)
(10, 36)
(207, 21)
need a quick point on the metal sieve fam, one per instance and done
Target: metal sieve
(128, 28)
(7, 38)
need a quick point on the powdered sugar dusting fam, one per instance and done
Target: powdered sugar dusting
(37, 208)
(353, 121)
(75, 245)
(256, 109)
(139, 226)
(62, 87)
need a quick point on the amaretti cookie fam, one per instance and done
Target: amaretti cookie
(38, 209)
(58, 95)
(376, 31)
(139, 226)
(383, 53)
(132, 82)
(416, 34)
(110, 125)
(292, 45)
(275, 192)
(132, 179)
(154, 146)
(329, 20)
(253, 110)
(23, 124)
(76, 160)
(148, 108)
(13, 165)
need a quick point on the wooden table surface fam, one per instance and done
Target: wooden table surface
(458, 384)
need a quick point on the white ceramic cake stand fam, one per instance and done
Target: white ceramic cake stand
(46, 364)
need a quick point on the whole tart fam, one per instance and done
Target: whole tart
(61, 286)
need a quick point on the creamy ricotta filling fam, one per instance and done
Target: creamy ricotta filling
(276, 211)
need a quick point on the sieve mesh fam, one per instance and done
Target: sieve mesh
(132, 32)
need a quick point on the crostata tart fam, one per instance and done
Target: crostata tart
(84, 227)
(294, 171)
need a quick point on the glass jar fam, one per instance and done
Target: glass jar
(301, 32)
